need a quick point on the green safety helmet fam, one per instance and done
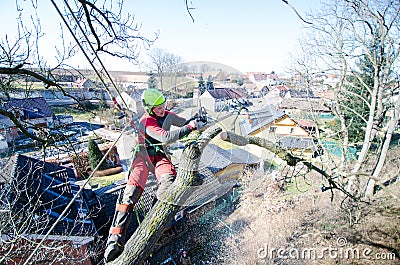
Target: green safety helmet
(152, 98)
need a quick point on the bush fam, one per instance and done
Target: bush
(95, 155)
(87, 105)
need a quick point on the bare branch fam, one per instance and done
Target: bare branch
(188, 10)
(297, 13)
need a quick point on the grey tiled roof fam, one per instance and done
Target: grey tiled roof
(6, 122)
(56, 186)
(293, 142)
(216, 158)
(210, 190)
(226, 93)
(260, 118)
(302, 93)
(33, 107)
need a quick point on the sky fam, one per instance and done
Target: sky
(246, 35)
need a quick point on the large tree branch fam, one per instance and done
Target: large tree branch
(89, 21)
(140, 245)
(48, 82)
(21, 71)
(14, 119)
(290, 159)
(142, 242)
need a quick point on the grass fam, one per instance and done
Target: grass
(75, 113)
(289, 219)
(298, 186)
(106, 180)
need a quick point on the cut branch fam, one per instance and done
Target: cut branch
(290, 159)
(140, 245)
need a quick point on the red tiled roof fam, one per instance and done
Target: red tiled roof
(282, 88)
(306, 123)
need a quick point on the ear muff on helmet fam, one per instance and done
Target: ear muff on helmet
(146, 107)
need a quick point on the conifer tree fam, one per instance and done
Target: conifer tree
(202, 87)
(210, 83)
(95, 155)
(152, 82)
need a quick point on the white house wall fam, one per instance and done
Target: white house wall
(207, 101)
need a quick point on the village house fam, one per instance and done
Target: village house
(220, 98)
(8, 133)
(328, 80)
(297, 93)
(27, 180)
(33, 113)
(132, 101)
(84, 84)
(303, 107)
(130, 81)
(273, 94)
(263, 78)
(252, 89)
(275, 125)
(328, 95)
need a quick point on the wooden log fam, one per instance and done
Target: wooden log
(270, 146)
(282, 153)
(142, 242)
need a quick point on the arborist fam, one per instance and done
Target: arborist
(154, 133)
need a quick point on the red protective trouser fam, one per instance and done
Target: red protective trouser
(158, 165)
(165, 173)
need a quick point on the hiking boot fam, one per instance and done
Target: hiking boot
(113, 250)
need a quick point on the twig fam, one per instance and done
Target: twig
(297, 13)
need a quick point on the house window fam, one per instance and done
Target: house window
(272, 129)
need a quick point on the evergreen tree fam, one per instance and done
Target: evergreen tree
(152, 82)
(357, 109)
(202, 87)
(95, 155)
(210, 83)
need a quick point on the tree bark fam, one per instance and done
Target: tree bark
(290, 159)
(369, 190)
(142, 242)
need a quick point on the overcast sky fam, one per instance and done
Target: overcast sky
(246, 35)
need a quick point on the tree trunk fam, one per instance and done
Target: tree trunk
(140, 245)
(382, 157)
